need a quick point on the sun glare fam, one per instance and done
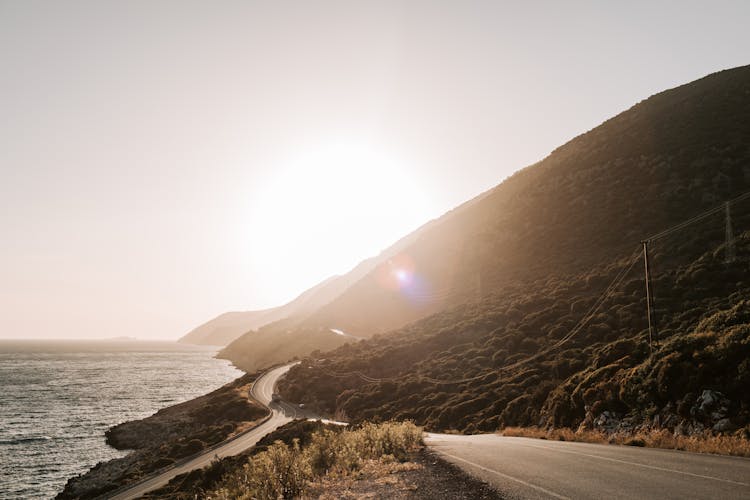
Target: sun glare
(329, 208)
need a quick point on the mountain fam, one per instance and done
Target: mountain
(532, 297)
(227, 327)
(541, 221)
(300, 333)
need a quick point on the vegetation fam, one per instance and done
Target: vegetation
(511, 321)
(168, 436)
(271, 346)
(601, 369)
(556, 226)
(199, 481)
(186, 428)
(423, 475)
(285, 470)
(655, 438)
(525, 264)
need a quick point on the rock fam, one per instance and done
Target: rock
(708, 398)
(607, 421)
(627, 424)
(670, 421)
(688, 428)
(681, 428)
(719, 414)
(711, 405)
(724, 425)
(588, 420)
(685, 404)
(666, 418)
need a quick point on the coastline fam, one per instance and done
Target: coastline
(169, 435)
(58, 398)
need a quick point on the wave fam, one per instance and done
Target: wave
(57, 433)
(67, 437)
(23, 440)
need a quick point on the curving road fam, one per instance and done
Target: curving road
(262, 390)
(534, 468)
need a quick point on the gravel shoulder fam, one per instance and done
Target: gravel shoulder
(425, 477)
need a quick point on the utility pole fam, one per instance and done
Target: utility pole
(729, 245)
(652, 334)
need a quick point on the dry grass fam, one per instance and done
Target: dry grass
(375, 479)
(283, 471)
(562, 434)
(703, 443)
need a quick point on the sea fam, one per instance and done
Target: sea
(58, 397)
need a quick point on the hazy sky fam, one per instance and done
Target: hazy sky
(163, 162)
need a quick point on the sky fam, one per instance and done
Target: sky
(162, 162)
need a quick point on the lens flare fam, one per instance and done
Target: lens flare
(401, 275)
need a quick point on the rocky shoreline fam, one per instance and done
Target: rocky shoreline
(181, 430)
(167, 436)
(423, 476)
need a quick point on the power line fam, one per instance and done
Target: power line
(573, 332)
(586, 317)
(729, 245)
(649, 298)
(729, 236)
(698, 217)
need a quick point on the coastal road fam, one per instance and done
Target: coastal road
(538, 469)
(262, 390)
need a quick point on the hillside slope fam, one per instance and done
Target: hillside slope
(226, 327)
(304, 331)
(524, 338)
(677, 152)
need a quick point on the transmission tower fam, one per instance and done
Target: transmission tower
(652, 332)
(729, 246)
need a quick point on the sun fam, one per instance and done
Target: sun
(330, 207)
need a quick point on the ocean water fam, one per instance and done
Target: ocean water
(57, 399)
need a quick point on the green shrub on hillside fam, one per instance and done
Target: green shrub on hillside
(606, 366)
(545, 239)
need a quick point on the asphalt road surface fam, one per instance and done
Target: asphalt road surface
(534, 468)
(262, 390)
